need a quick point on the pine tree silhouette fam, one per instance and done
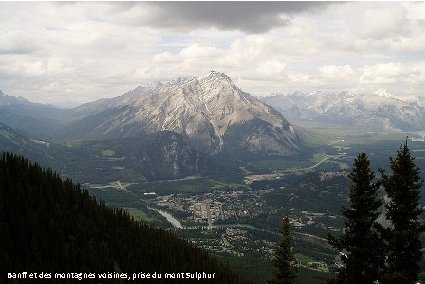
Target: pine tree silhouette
(403, 210)
(283, 259)
(360, 246)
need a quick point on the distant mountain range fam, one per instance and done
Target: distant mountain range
(185, 127)
(38, 119)
(378, 111)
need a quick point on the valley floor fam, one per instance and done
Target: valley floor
(238, 220)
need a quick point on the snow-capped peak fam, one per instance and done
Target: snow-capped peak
(203, 109)
(384, 93)
(180, 80)
(214, 75)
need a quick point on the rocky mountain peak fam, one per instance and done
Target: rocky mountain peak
(217, 75)
(384, 93)
(380, 110)
(211, 77)
(207, 110)
(9, 100)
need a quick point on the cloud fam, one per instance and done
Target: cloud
(199, 51)
(272, 69)
(250, 17)
(379, 27)
(17, 42)
(394, 73)
(336, 71)
(382, 73)
(82, 51)
(11, 46)
(383, 23)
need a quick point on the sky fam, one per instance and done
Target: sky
(69, 53)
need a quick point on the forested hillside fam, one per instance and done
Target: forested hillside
(51, 225)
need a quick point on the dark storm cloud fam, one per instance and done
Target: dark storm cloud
(251, 17)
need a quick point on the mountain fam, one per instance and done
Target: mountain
(378, 111)
(19, 142)
(158, 156)
(37, 119)
(211, 111)
(162, 155)
(9, 100)
(152, 156)
(52, 226)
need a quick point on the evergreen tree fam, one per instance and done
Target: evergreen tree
(403, 210)
(359, 245)
(50, 225)
(283, 259)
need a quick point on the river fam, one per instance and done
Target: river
(173, 221)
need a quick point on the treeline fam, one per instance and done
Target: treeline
(51, 225)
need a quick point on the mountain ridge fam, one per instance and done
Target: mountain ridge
(38, 119)
(379, 111)
(201, 108)
(9, 100)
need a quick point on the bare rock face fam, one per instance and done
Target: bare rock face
(210, 110)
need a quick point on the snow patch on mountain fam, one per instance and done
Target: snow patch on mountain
(381, 110)
(202, 108)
